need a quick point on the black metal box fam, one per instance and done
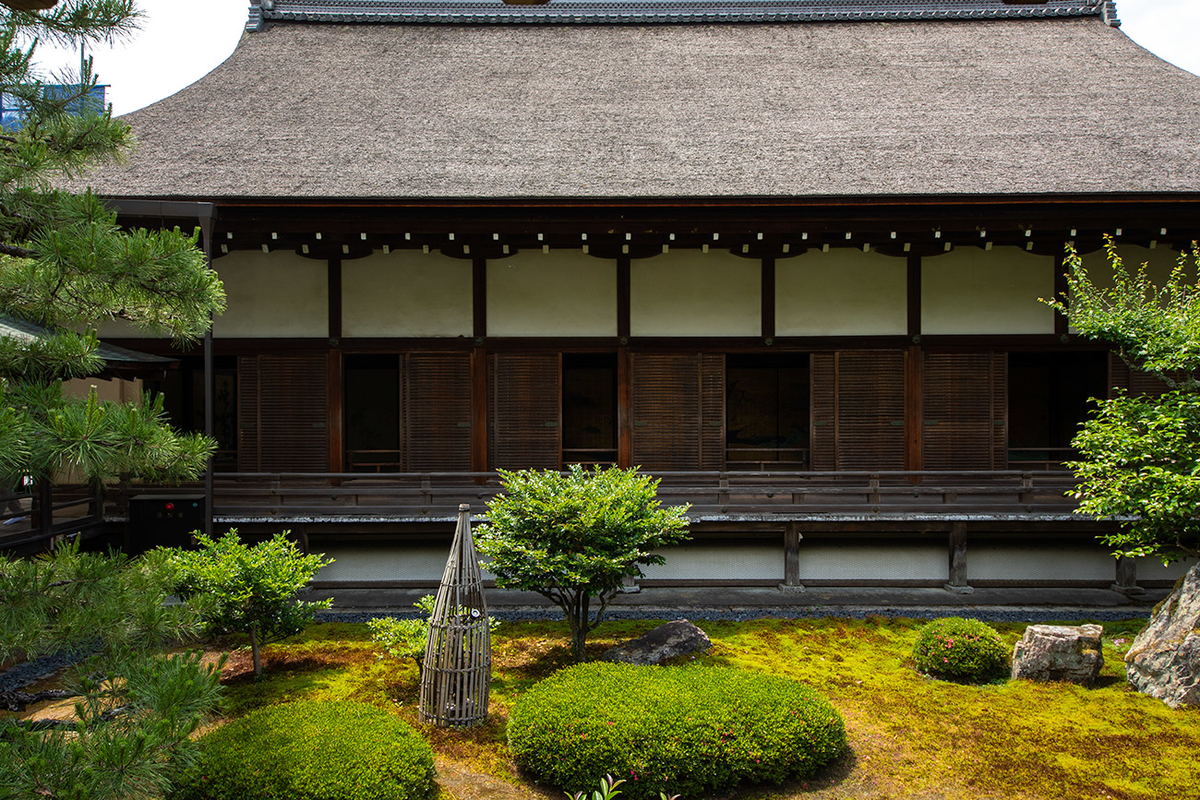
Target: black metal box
(166, 520)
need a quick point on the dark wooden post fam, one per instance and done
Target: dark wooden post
(207, 226)
(791, 556)
(1126, 581)
(958, 559)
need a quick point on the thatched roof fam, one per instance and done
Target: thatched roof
(624, 12)
(1023, 106)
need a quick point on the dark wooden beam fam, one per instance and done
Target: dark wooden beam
(624, 294)
(479, 297)
(791, 554)
(914, 402)
(768, 298)
(624, 410)
(1061, 323)
(335, 393)
(958, 556)
(479, 410)
(914, 295)
(335, 298)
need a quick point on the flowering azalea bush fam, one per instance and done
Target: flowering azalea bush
(688, 730)
(960, 650)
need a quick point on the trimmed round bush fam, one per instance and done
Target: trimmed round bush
(681, 730)
(960, 650)
(312, 750)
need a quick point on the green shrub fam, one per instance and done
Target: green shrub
(312, 750)
(960, 650)
(686, 730)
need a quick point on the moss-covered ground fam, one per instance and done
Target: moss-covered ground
(910, 736)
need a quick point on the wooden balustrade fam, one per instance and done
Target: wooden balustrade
(404, 496)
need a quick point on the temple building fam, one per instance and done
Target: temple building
(786, 254)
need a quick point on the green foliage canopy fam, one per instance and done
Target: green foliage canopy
(577, 535)
(66, 266)
(1140, 456)
(135, 711)
(249, 588)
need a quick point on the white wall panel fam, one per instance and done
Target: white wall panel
(986, 562)
(407, 293)
(720, 562)
(276, 294)
(844, 292)
(819, 561)
(560, 293)
(1152, 569)
(691, 293)
(971, 290)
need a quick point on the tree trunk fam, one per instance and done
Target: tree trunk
(254, 653)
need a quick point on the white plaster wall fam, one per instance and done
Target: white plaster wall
(407, 293)
(1152, 569)
(1160, 261)
(844, 292)
(720, 562)
(970, 290)
(560, 293)
(276, 294)
(820, 561)
(986, 562)
(692, 293)
(384, 564)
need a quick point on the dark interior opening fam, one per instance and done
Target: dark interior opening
(767, 411)
(589, 408)
(1049, 394)
(372, 413)
(182, 391)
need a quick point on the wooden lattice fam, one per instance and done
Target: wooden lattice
(457, 672)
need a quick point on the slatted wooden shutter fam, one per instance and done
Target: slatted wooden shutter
(1133, 381)
(965, 401)
(283, 413)
(525, 428)
(678, 411)
(858, 410)
(436, 412)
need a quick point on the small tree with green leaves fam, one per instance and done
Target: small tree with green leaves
(406, 638)
(1140, 456)
(574, 537)
(250, 589)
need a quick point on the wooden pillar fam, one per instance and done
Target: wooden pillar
(768, 298)
(913, 372)
(1060, 292)
(958, 558)
(1126, 578)
(624, 293)
(479, 411)
(207, 224)
(45, 508)
(624, 410)
(479, 298)
(335, 391)
(791, 555)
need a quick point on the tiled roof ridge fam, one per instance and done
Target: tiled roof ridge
(665, 11)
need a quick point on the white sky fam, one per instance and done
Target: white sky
(179, 43)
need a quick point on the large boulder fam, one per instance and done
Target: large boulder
(1164, 659)
(666, 641)
(1059, 653)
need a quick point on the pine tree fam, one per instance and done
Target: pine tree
(66, 266)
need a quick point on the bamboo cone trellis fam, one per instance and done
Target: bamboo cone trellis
(457, 671)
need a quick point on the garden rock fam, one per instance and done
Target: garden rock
(671, 639)
(1164, 659)
(1059, 653)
